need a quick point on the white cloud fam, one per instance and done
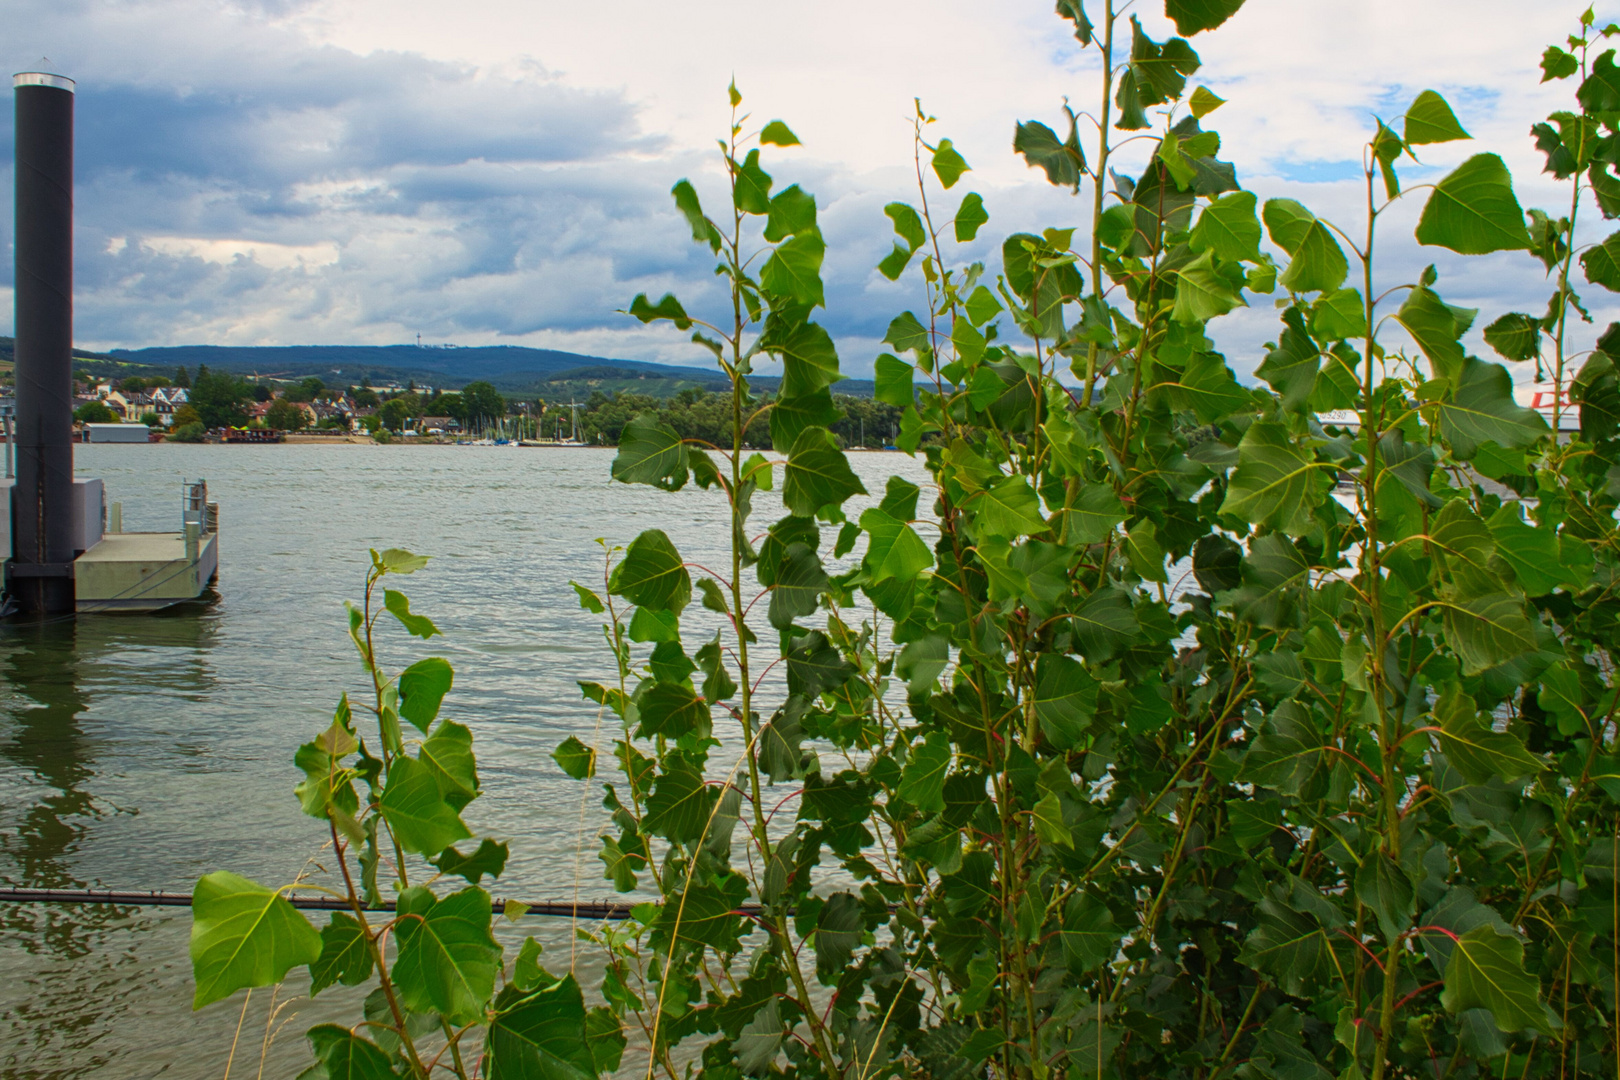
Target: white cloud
(228, 252)
(356, 171)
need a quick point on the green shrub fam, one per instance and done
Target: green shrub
(95, 412)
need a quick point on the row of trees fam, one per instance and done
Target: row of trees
(707, 417)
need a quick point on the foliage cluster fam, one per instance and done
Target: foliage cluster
(444, 995)
(95, 412)
(705, 419)
(1177, 733)
(1199, 738)
(304, 390)
(285, 415)
(220, 398)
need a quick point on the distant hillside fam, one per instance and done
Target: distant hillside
(101, 365)
(509, 367)
(514, 369)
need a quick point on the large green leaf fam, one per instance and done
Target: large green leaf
(753, 191)
(1203, 292)
(948, 163)
(650, 452)
(892, 381)
(1474, 748)
(422, 687)
(893, 548)
(1210, 388)
(1292, 365)
(793, 272)
(1095, 514)
(605, 1034)
(1192, 16)
(906, 334)
(1063, 161)
(793, 211)
(1318, 264)
(1228, 227)
(970, 216)
(789, 416)
(1384, 888)
(449, 754)
(399, 606)
(1487, 630)
(839, 925)
(416, 810)
(346, 1056)
(672, 710)
(1531, 551)
(244, 935)
(800, 580)
(1287, 222)
(922, 781)
(1065, 698)
(781, 536)
(1288, 754)
(817, 474)
(686, 201)
(1486, 971)
(702, 914)
(1437, 327)
(1473, 211)
(1430, 120)
(448, 959)
(1602, 263)
(1481, 409)
(809, 358)
(1290, 945)
(816, 666)
(681, 804)
(540, 1035)
(345, 954)
(1105, 622)
(652, 575)
(1338, 315)
(668, 307)
(1007, 508)
(1274, 576)
(575, 758)
(488, 858)
(1276, 483)
(1089, 934)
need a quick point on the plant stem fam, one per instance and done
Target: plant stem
(1098, 172)
(377, 956)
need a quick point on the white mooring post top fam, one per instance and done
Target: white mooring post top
(42, 78)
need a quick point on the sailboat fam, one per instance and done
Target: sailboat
(573, 432)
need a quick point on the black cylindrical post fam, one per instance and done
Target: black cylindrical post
(41, 570)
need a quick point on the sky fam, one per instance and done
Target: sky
(280, 172)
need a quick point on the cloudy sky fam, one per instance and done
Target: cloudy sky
(273, 172)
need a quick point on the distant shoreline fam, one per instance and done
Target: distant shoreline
(366, 440)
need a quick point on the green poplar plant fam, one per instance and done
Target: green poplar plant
(444, 1000)
(1196, 729)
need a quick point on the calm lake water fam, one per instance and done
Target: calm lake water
(140, 752)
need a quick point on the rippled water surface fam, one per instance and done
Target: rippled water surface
(139, 752)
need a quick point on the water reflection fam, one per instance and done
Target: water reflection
(53, 1018)
(45, 739)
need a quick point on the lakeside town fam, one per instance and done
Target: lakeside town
(204, 405)
(219, 407)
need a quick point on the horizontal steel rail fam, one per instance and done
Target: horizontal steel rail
(584, 909)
